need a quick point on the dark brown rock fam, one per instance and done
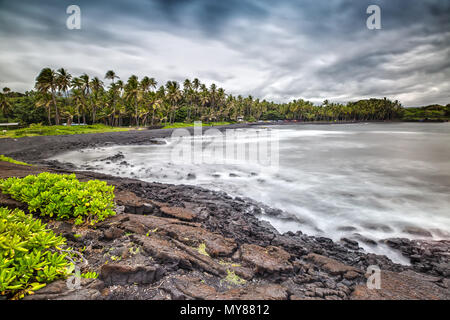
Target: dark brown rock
(402, 286)
(270, 259)
(121, 274)
(332, 266)
(179, 213)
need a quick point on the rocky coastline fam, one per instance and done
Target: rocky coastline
(186, 242)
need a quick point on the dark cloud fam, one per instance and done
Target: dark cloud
(276, 50)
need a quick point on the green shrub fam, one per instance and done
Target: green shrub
(63, 196)
(30, 255)
(8, 159)
(89, 275)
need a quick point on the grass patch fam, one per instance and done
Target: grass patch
(30, 254)
(8, 159)
(202, 249)
(40, 130)
(89, 275)
(62, 196)
(191, 124)
(234, 279)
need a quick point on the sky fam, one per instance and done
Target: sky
(275, 50)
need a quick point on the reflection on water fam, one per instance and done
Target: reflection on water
(358, 180)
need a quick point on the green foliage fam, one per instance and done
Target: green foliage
(191, 124)
(40, 130)
(272, 115)
(8, 159)
(59, 96)
(62, 196)
(30, 254)
(25, 110)
(90, 275)
(234, 279)
(432, 112)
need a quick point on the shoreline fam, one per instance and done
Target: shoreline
(335, 270)
(34, 149)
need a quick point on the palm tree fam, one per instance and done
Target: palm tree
(46, 82)
(63, 80)
(97, 88)
(188, 92)
(5, 105)
(77, 84)
(63, 83)
(111, 75)
(174, 95)
(86, 87)
(132, 94)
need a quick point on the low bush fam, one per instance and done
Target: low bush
(62, 196)
(30, 254)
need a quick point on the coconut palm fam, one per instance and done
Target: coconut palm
(133, 94)
(173, 95)
(111, 75)
(5, 105)
(96, 86)
(46, 82)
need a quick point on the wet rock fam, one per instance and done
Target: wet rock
(114, 158)
(377, 227)
(351, 244)
(417, 232)
(432, 257)
(365, 240)
(346, 228)
(191, 176)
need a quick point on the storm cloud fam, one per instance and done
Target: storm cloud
(275, 50)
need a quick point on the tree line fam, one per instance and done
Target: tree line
(60, 97)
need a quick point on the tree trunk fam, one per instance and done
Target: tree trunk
(49, 116)
(93, 114)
